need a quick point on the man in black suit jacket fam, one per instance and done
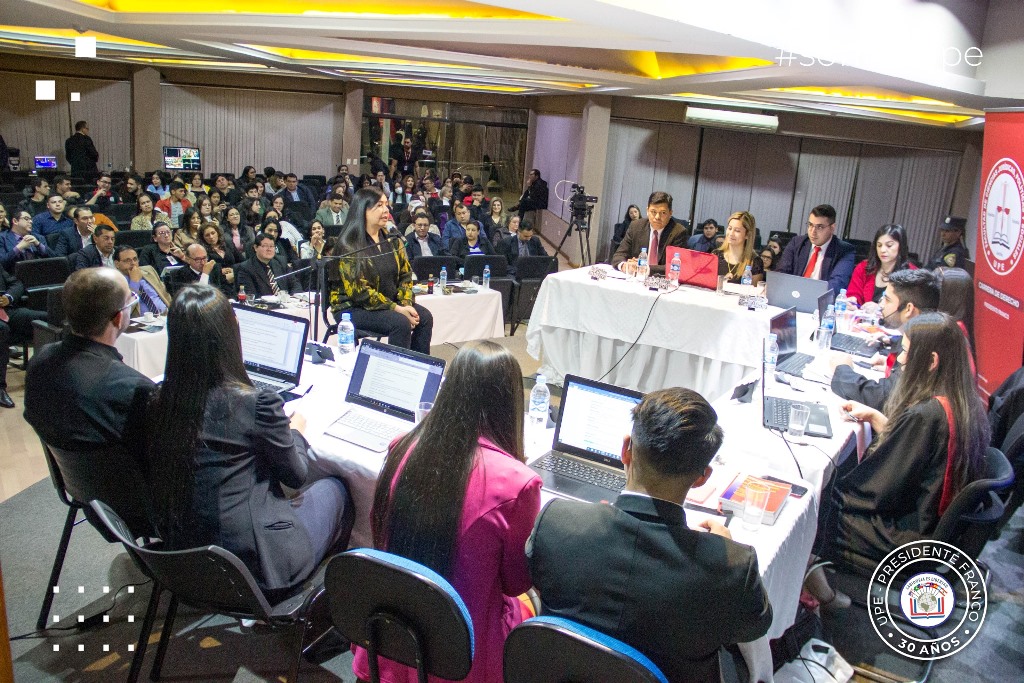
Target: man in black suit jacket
(15, 325)
(199, 269)
(79, 395)
(81, 153)
(252, 273)
(421, 234)
(523, 243)
(639, 235)
(78, 236)
(634, 570)
(835, 258)
(535, 195)
(99, 253)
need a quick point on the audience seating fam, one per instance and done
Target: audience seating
(784, 237)
(425, 266)
(557, 650)
(862, 247)
(530, 273)
(133, 238)
(400, 610)
(474, 265)
(1013, 448)
(122, 214)
(51, 328)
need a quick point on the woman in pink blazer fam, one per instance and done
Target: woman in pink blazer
(890, 253)
(456, 496)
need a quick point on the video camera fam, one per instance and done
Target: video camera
(580, 202)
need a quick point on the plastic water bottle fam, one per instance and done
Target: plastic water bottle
(487, 277)
(642, 267)
(840, 317)
(748, 277)
(241, 295)
(826, 329)
(442, 280)
(771, 357)
(540, 398)
(674, 269)
(346, 334)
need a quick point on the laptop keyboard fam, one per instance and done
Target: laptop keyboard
(795, 364)
(777, 411)
(851, 344)
(581, 471)
(357, 419)
(260, 384)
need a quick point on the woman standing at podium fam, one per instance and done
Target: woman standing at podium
(737, 252)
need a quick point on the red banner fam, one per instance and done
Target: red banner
(998, 271)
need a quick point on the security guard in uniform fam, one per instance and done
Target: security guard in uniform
(952, 253)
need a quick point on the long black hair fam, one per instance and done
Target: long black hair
(204, 352)
(898, 233)
(417, 508)
(352, 235)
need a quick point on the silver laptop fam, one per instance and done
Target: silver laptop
(585, 462)
(793, 291)
(272, 346)
(387, 384)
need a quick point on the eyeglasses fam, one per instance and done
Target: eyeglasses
(815, 226)
(129, 304)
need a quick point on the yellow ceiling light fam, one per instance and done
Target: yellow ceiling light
(198, 62)
(449, 84)
(70, 34)
(863, 93)
(660, 66)
(447, 9)
(301, 55)
(920, 115)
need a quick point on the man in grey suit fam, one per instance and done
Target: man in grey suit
(333, 215)
(657, 232)
(634, 570)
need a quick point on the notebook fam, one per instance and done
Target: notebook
(272, 346)
(775, 413)
(585, 462)
(793, 291)
(790, 361)
(387, 384)
(696, 267)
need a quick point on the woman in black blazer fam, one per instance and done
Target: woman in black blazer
(473, 244)
(221, 452)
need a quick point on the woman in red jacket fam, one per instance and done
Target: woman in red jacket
(872, 275)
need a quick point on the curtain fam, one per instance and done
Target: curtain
(557, 157)
(877, 189)
(925, 194)
(825, 176)
(773, 182)
(726, 174)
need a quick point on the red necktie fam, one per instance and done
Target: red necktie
(653, 258)
(812, 262)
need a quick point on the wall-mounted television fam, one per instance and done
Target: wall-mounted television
(182, 159)
(45, 162)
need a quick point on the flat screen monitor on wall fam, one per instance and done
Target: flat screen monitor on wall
(45, 162)
(182, 159)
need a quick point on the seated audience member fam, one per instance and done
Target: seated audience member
(523, 243)
(289, 234)
(956, 298)
(422, 242)
(705, 240)
(163, 252)
(500, 238)
(634, 570)
(292, 193)
(158, 186)
(494, 220)
(78, 236)
(656, 233)
(403, 194)
(259, 273)
(220, 251)
(737, 252)
(188, 233)
(144, 282)
(768, 259)
(103, 196)
(53, 219)
(148, 215)
(283, 250)
(375, 285)
(930, 443)
(19, 244)
(195, 186)
(130, 190)
(473, 243)
(199, 269)
(314, 248)
(478, 205)
(15, 325)
(619, 232)
(333, 216)
(36, 203)
(871, 275)
(205, 208)
(222, 185)
(78, 393)
(952, 253)
(176, 204)
(455, 228)
(99, 253)
(908, 294)
(775, 244)
(456, 496)
(220, 206)
(238, 233)
(221, 450)
(62, 186)
(819, 254)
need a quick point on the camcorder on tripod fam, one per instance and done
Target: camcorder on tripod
(581, 206)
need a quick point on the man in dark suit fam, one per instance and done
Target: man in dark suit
(523, 243)
(78, 235)
(292, 192)
(99, 253)
(199, 269)
(634, 570)
(15, 326)
(79, 395)
(657, 232)
(422, 242)
(81, 153)
(254, 273)
(535, 195)
(820, 254)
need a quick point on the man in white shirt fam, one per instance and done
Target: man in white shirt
(422, 242)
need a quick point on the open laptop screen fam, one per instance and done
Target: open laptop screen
(783, 326)
(393, 380)
(594, 417)
(272, 343)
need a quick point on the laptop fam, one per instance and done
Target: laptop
(793, 291)
(696, 267)
(272, 346)
(790, 361)
(45, 162)
(585, 461)
(387, 384)
(775, 413)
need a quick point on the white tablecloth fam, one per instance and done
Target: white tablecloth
(693, 338)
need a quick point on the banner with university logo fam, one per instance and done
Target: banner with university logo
(998, 272)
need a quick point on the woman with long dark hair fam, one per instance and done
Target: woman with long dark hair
(238, 233)
(375, 285)
(188, 232)
(890, 253)
(221, 450)
(220, 251)
(148, 215)
(456, 496)
(632, 214)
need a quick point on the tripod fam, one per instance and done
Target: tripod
(582, 224)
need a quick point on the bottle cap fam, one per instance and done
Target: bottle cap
(346, 317)
(773, 337)
(541, 379)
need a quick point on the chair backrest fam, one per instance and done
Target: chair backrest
(535, 267)
(1005, 406)
(42, 272)
(136, 239)
(974, 512)
(474, 265)
(1013, 449)
(553, 650)
(425, 266)
(388, 604)
(55, 305)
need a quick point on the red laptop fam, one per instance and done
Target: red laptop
(698, 268)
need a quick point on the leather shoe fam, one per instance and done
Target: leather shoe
(5, 399)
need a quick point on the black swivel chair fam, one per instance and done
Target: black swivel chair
(530, 274)
(425, 266)
(474, 266)
(1013, 448)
